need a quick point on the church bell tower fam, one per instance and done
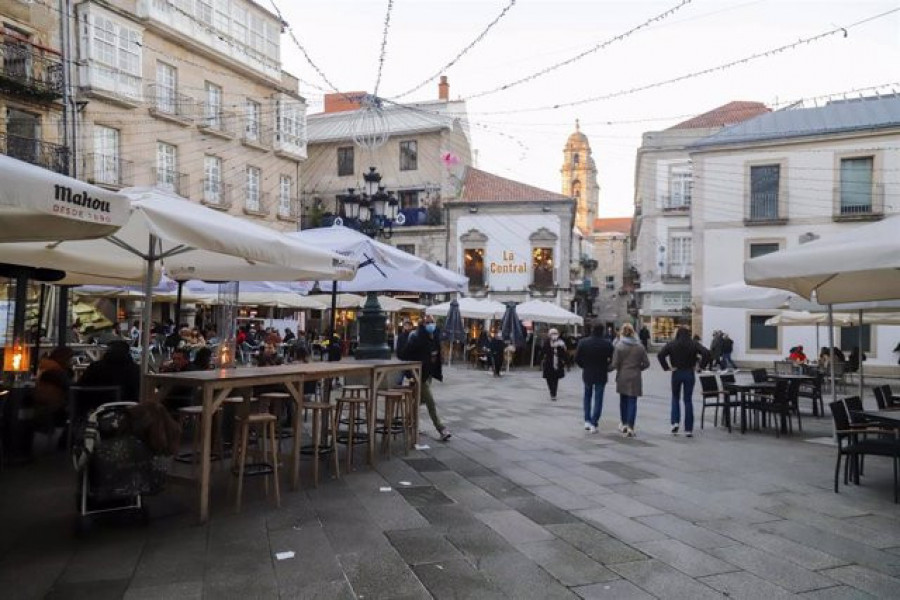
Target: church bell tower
(579, 179)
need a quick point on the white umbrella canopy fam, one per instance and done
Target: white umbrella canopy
(390, 304)
(39, 205)
(342, 301)
(547, 312)
(391, 270)
(856, 265)
(790, 318)
(470, 308)
(741, 295)
(192, 241)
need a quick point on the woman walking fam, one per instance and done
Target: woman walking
(629, 359)
(553, 364)
(684, 353)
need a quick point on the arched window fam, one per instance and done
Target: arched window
(576, 159)
(576, 188)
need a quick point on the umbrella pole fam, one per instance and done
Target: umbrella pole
(831, 351)
(333, 305)
(861, 353)
(62, 316)
(145, 317)
(37, 338)
(178, 305)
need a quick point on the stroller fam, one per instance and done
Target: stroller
(115, 468)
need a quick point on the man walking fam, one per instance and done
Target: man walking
(594, 354)
(423, 345)
(727, 349)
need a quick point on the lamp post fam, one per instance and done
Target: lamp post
(372, 213)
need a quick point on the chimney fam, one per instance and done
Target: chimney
(443, 89)
(343, 101)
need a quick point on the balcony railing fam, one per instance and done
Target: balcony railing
(256, 204)
(676, 202)
(106, 169)
(764, 207)
(256, 135)
(167, 103)
(29, 70)
(853, 204)
(44, 154)
(216, 122)
(289, 208)
(216, 194)
(171, 180)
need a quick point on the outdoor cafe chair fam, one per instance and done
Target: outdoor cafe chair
(890, 400)
(854, 443)
(712, 397)
(759, 375)
(780, 405)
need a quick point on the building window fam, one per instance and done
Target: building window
(850, 338)
(473, 267)
(345, 161)
(252, 111)
(681, 185)
(166, 88)
(762, 336)
(408, 248)
(409, 155)
(251, 201)
(576, 159)
(542, 266)
(680, 255)
(409, 199)
(213, 106)
(764, 182)
(576, 189)
(856, 185)
(763, 248)
(212, 179)
(111, 51)
(285, 191)
(205, 12)
(167, 166)
(610, 282)
(290, 120)
(106, 155)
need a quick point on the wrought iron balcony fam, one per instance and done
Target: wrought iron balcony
(253, 134)
(216, 122)
(289, 208)
(44, 154)
(108, 170)
(859, 202)
(167, 103)
(27, 69)
(256, 203)
(173, 181)
(216, 194)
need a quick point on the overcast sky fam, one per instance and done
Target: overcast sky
(344, 37)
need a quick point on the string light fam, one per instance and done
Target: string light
(461, 53)
(384, 39)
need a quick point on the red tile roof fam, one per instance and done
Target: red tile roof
(617, 224)
(727, 114)
(481, 186)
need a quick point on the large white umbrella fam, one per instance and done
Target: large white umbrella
(39, 205)
(383, 268)
(856, 265)
(741, 295)
(547, 312)
(470, 308)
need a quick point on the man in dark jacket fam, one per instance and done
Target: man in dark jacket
(684, 354)
(424, 345)
(593, 355)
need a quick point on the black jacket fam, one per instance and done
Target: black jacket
(593, 355)
(125, 374)
(426, 348)
(497, 347)
(683, 356)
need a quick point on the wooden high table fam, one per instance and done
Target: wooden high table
(217, 385)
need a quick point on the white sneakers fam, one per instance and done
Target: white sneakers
(675, 428)
(629, 432)
(593, 429)
(587, 426)
(622, 427)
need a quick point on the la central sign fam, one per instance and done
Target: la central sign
(508, 264)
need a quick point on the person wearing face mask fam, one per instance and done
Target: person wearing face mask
(423, 345)
(553, 365)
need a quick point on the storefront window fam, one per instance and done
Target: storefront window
(542, 264)
(474, 267)
(663, 329)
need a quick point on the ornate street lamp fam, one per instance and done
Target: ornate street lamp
(372, 213)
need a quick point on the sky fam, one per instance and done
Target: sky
(343, 39)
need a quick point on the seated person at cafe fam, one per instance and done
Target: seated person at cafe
(196, 339)
(115, 368)
(797, 355)
(202, 359)
(288, 336)
(855, 358)
(51, 391)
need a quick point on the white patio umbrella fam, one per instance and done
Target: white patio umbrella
(39, 205)
(392, 305)
(741, 295)
(547, 312)
(470, 308)
(191, 240)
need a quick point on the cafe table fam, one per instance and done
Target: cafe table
(218, 384)
(742, 390)
(889, 417)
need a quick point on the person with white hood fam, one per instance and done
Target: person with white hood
(553, 364)
(629, 359)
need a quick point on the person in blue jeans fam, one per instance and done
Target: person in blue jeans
(629, 359)
(684, 354)
(593, 355)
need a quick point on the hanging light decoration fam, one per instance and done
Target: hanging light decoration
(369, 125)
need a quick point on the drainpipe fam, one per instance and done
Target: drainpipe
(64, 7)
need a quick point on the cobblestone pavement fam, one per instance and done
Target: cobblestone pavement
(521, 503)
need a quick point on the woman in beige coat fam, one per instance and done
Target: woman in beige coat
(628, 360)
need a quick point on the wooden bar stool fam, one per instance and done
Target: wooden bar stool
(274, 402)
(322, 412)
(355, 398)
(269, 440)
(395, 421)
